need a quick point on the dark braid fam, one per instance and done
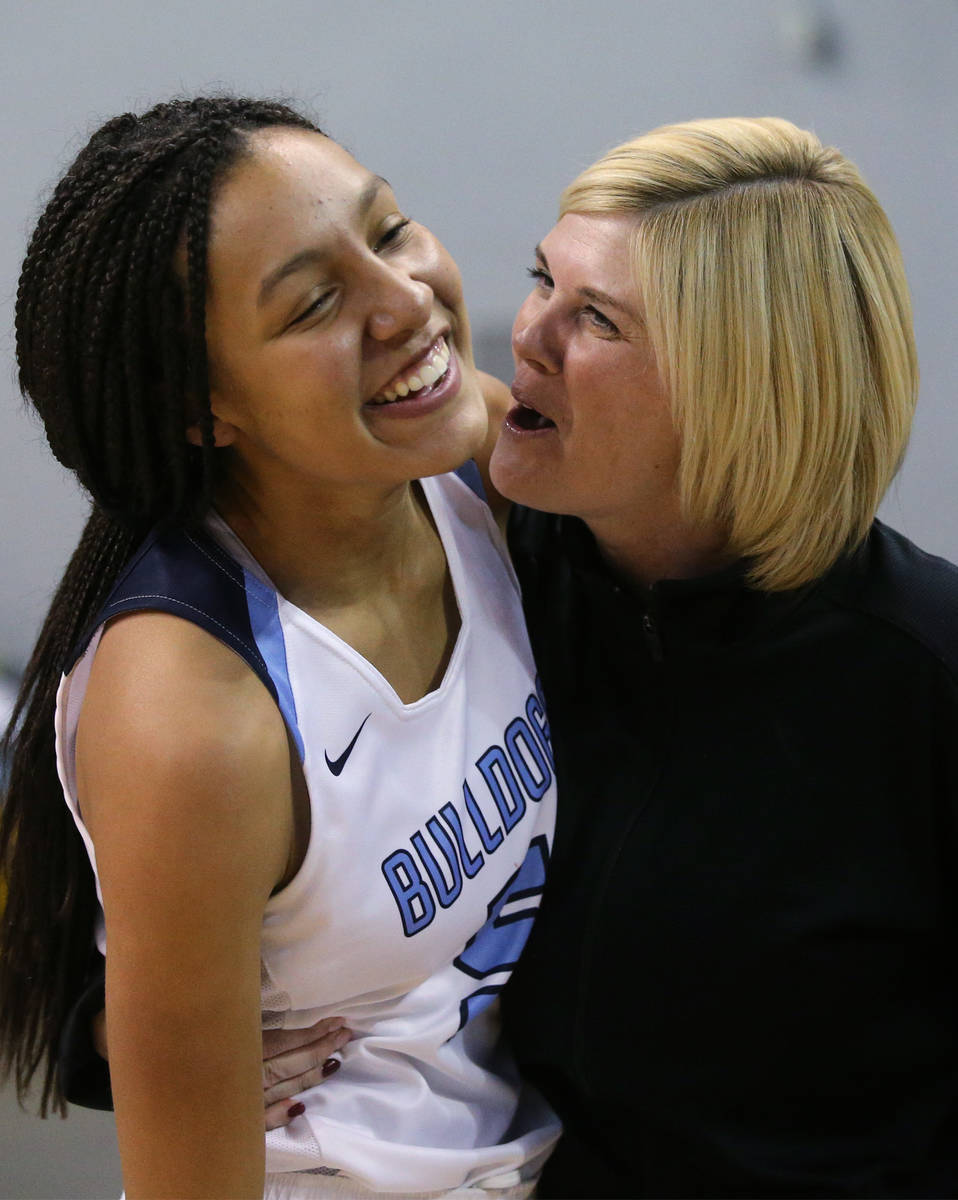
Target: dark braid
(111, 348)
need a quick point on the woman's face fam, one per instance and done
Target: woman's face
(591, 432)
(338, 342)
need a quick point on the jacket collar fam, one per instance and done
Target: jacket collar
(716, 610)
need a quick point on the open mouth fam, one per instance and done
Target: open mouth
(420, 378)
(524, 417)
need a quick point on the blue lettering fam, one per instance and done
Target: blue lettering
(521, 769)
(470, 865)
(519, 735)
(446, 893)
(495, 948)
(491, 839)
(539, 720)
(494, 758)
(416, 905)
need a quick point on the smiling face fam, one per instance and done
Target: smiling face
(591, 433)
(338, 342)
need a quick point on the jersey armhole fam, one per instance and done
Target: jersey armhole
(469, 474)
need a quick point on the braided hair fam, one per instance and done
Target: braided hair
(111, 350)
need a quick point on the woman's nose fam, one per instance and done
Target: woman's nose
(533, 338)
(401, 303)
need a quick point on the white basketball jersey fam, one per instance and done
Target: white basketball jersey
(431, 830)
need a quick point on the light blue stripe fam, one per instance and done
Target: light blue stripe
(263, 606)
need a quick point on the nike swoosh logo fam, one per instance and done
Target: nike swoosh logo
(337, 766)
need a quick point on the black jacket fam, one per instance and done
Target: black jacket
(743, 978)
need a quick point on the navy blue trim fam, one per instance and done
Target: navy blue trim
(188, 574)
(469, 474)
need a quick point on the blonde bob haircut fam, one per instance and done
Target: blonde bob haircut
(779, 316)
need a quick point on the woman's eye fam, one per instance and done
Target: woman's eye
(600, 320)
(394, 235)
(541, 276)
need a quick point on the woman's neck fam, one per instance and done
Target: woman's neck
(645, 552)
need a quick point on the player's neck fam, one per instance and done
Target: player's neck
(336, 554)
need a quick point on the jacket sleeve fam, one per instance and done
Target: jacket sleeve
(84, 1075)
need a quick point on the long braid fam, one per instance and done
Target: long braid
(51, 902)
(111, 348)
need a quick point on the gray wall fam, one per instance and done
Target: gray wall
(478, 113)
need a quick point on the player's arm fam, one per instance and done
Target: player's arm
(184, 782)
(293, 1059)
(498, 402)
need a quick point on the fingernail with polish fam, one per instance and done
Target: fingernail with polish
(330, 1067)
(295, 1110)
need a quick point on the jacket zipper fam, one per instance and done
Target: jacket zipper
(652, 639)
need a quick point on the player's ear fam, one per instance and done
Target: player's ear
(224, 434)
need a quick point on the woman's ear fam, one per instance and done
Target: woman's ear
(223, 433)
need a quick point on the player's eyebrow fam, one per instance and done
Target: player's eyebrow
(313, 256)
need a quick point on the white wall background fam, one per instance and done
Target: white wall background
(478, 113)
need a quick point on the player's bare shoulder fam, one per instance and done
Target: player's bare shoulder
(171, 716)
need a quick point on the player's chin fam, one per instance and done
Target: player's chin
(465, 427)
(464, 442)
(446, 447)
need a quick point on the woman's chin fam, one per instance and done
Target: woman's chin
(517, 475)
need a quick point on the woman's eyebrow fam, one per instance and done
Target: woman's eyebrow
(593, 294)
(608, 301)
(307, 258)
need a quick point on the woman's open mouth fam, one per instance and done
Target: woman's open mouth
(523, 418)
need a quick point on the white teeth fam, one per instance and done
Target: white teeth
(432, 369)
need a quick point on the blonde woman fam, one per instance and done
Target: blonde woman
(751, 682)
